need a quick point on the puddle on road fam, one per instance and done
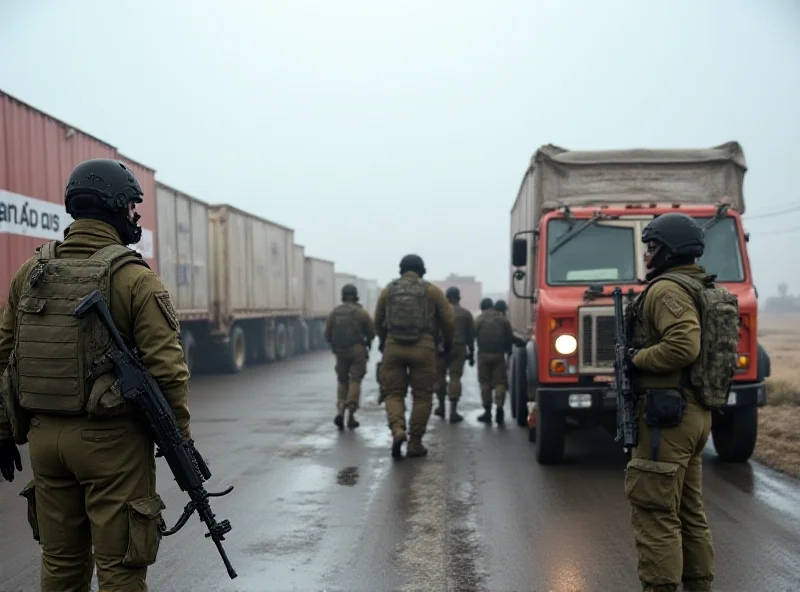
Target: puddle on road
(348, 476)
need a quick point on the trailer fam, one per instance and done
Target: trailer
(320, 298)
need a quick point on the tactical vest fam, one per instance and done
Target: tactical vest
(711, 374)
(407, 314)
(57, 357)
(345, 329)
(490, 333)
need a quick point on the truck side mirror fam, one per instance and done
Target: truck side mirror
(519, 252)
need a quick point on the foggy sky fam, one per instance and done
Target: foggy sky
(375, 129)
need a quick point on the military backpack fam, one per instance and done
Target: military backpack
(57, 357)
(489, 333)
(711, 374)
(407, 316)
(345, 330)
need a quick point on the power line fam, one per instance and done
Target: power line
(780, 231)
(783, 212)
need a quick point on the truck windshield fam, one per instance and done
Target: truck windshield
(601, 253)
(723, 253)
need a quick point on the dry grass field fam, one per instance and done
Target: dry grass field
(778, 442)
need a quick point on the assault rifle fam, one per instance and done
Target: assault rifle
(626, 399)
(139, 388)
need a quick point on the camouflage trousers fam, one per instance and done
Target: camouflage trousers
(350, 368)
(403, 366)
(672, 537)
(452, 364)
(492, 377)
(94, 484)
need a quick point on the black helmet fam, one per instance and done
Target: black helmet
(501, 306)
(102, 189)
(679, 233)
(349, 291)
(486, 304)
(453, 293)
(412, 263)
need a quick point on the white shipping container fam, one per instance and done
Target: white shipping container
(320, 287)
(297, 282)
(183, 262)
(253, 259)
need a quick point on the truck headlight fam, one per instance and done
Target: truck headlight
(566, 345)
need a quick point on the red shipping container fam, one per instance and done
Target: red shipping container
(37, 154)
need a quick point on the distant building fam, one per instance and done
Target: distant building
(471, 289)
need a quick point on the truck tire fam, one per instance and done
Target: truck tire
(281, 341)
(189, 350)
(236, 351)
(519, 382)
(550, 434)
(268, 343)
(734, 433)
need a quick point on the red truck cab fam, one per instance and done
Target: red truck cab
(564, 270)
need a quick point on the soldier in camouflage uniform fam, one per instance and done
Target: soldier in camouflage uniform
(94, 472)
(495, 340)
(501, 307)
(350, 332)
(408, 314)
(663, 479)
(463, 350)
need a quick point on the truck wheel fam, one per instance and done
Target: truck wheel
(734, 433)
(281, 341)
(301, 339)
(520, 386)
(189, 350)
(236, 353)
(550, 431)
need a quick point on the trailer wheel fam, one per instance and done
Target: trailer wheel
(734, 433)
(268, 343)
(291, 341)
(236, 352)
(189, 350)
(302, 338)
(550, 433)
(281, 341)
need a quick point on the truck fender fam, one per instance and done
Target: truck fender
(764, 363)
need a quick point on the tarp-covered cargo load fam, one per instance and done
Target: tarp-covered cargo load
(558, 177)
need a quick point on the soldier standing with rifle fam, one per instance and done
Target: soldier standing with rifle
(79, 401)
(684, 338)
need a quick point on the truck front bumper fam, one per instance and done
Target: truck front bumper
(593, 399)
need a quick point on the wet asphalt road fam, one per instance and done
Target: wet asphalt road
(318, 509)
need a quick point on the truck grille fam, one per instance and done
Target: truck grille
(596, 341)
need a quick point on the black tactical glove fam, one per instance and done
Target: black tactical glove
(380, 346)
(9, 457)
(632, 369)
(471, 358)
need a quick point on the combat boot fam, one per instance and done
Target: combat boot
(439, 411)
(352, 423)
(415, 447)
(455, 417)
(500, 414)
(397, 443)
(487, 414)
(339, 420)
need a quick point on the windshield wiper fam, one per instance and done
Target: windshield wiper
(576, 231)
(721, 211)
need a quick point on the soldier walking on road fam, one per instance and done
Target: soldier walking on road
(683, 333)
(463, 350)
(495, 340)
(350, 332)
(94, 472)
(501, 307)
(409, 312)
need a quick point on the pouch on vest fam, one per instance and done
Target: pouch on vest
(58, 355)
